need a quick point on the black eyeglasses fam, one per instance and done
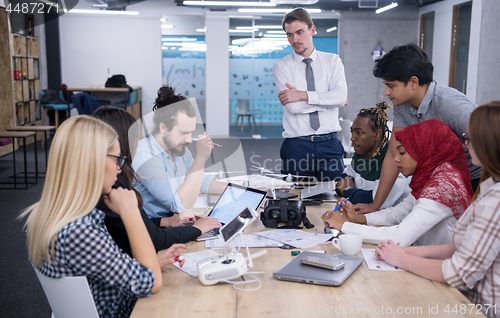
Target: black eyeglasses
(120, 160)
(465, 139)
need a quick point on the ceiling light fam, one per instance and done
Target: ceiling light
(331, 29)
(388, 7)
(276, 32)
(167, 26)
(230, 3)
(256, 10)
(240, 31)
(102, 12)
(246, 28)
(305, 2)
(163, 19)
(179, 39)
(201, 30)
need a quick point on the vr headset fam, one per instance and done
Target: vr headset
(290, 212)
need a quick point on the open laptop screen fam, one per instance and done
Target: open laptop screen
(234, 199)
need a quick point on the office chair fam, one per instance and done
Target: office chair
(56, 107)
(68, 296)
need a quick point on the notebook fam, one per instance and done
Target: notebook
(233, 200)
(295, 271)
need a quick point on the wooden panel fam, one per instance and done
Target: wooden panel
(32, 90)
(26, 91)
(454, 44)
(7, 110)
(32, 110)
(18, 91)
(31, 73)
(19, 45)
(32, 47)
(26, 112)
(421, 39)
(37, 89)
(20, 113)
(24, 69)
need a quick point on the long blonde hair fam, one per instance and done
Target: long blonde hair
(73, 184)
(484, 136)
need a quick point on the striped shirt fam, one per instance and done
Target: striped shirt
(475, 265)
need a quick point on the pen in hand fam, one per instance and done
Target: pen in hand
(215, 145)
(340, 205)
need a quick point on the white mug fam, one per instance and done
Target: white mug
(349, 244)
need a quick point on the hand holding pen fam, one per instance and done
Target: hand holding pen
(213, 143)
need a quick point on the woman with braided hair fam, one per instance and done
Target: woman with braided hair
(370, 139)
(441, 190)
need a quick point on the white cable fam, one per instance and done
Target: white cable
(245, 282)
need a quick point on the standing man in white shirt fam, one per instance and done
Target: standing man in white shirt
(312, 88)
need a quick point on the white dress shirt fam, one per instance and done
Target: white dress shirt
(418, 222)
(330, 93)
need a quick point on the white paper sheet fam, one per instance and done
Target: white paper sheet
(296, 238)
(369, 255)
(192, 259)
(249, 240)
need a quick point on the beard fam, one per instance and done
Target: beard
(300, 50)
(175, 149)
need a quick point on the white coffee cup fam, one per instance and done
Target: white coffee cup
(349, 244)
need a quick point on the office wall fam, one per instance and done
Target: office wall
(442, 41)
(488, 78)
(90, 46)
(359, 33)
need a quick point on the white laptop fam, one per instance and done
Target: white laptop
(233, 200)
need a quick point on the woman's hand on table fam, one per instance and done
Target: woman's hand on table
(390, 252)
(171, 255)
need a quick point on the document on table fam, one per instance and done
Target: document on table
(247, 240)
(192, 259)
(369, 255)
(296, 238)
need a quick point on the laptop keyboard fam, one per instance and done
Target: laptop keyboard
(213, 232)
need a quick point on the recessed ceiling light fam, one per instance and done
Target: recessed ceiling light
(230, 3)
(331, 29)
(102, 12)
(257, 10)
(167, 26)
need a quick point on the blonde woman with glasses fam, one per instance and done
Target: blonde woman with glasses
(66, 235)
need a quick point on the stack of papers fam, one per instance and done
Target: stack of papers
(247, 240)
(296, 238)
(369, 255)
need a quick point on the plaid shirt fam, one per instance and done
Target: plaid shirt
(475, 266)
(85, 248)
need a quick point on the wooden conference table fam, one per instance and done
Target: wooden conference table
(366, 293)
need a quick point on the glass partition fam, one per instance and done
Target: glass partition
(183, 57)
(255, 46)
